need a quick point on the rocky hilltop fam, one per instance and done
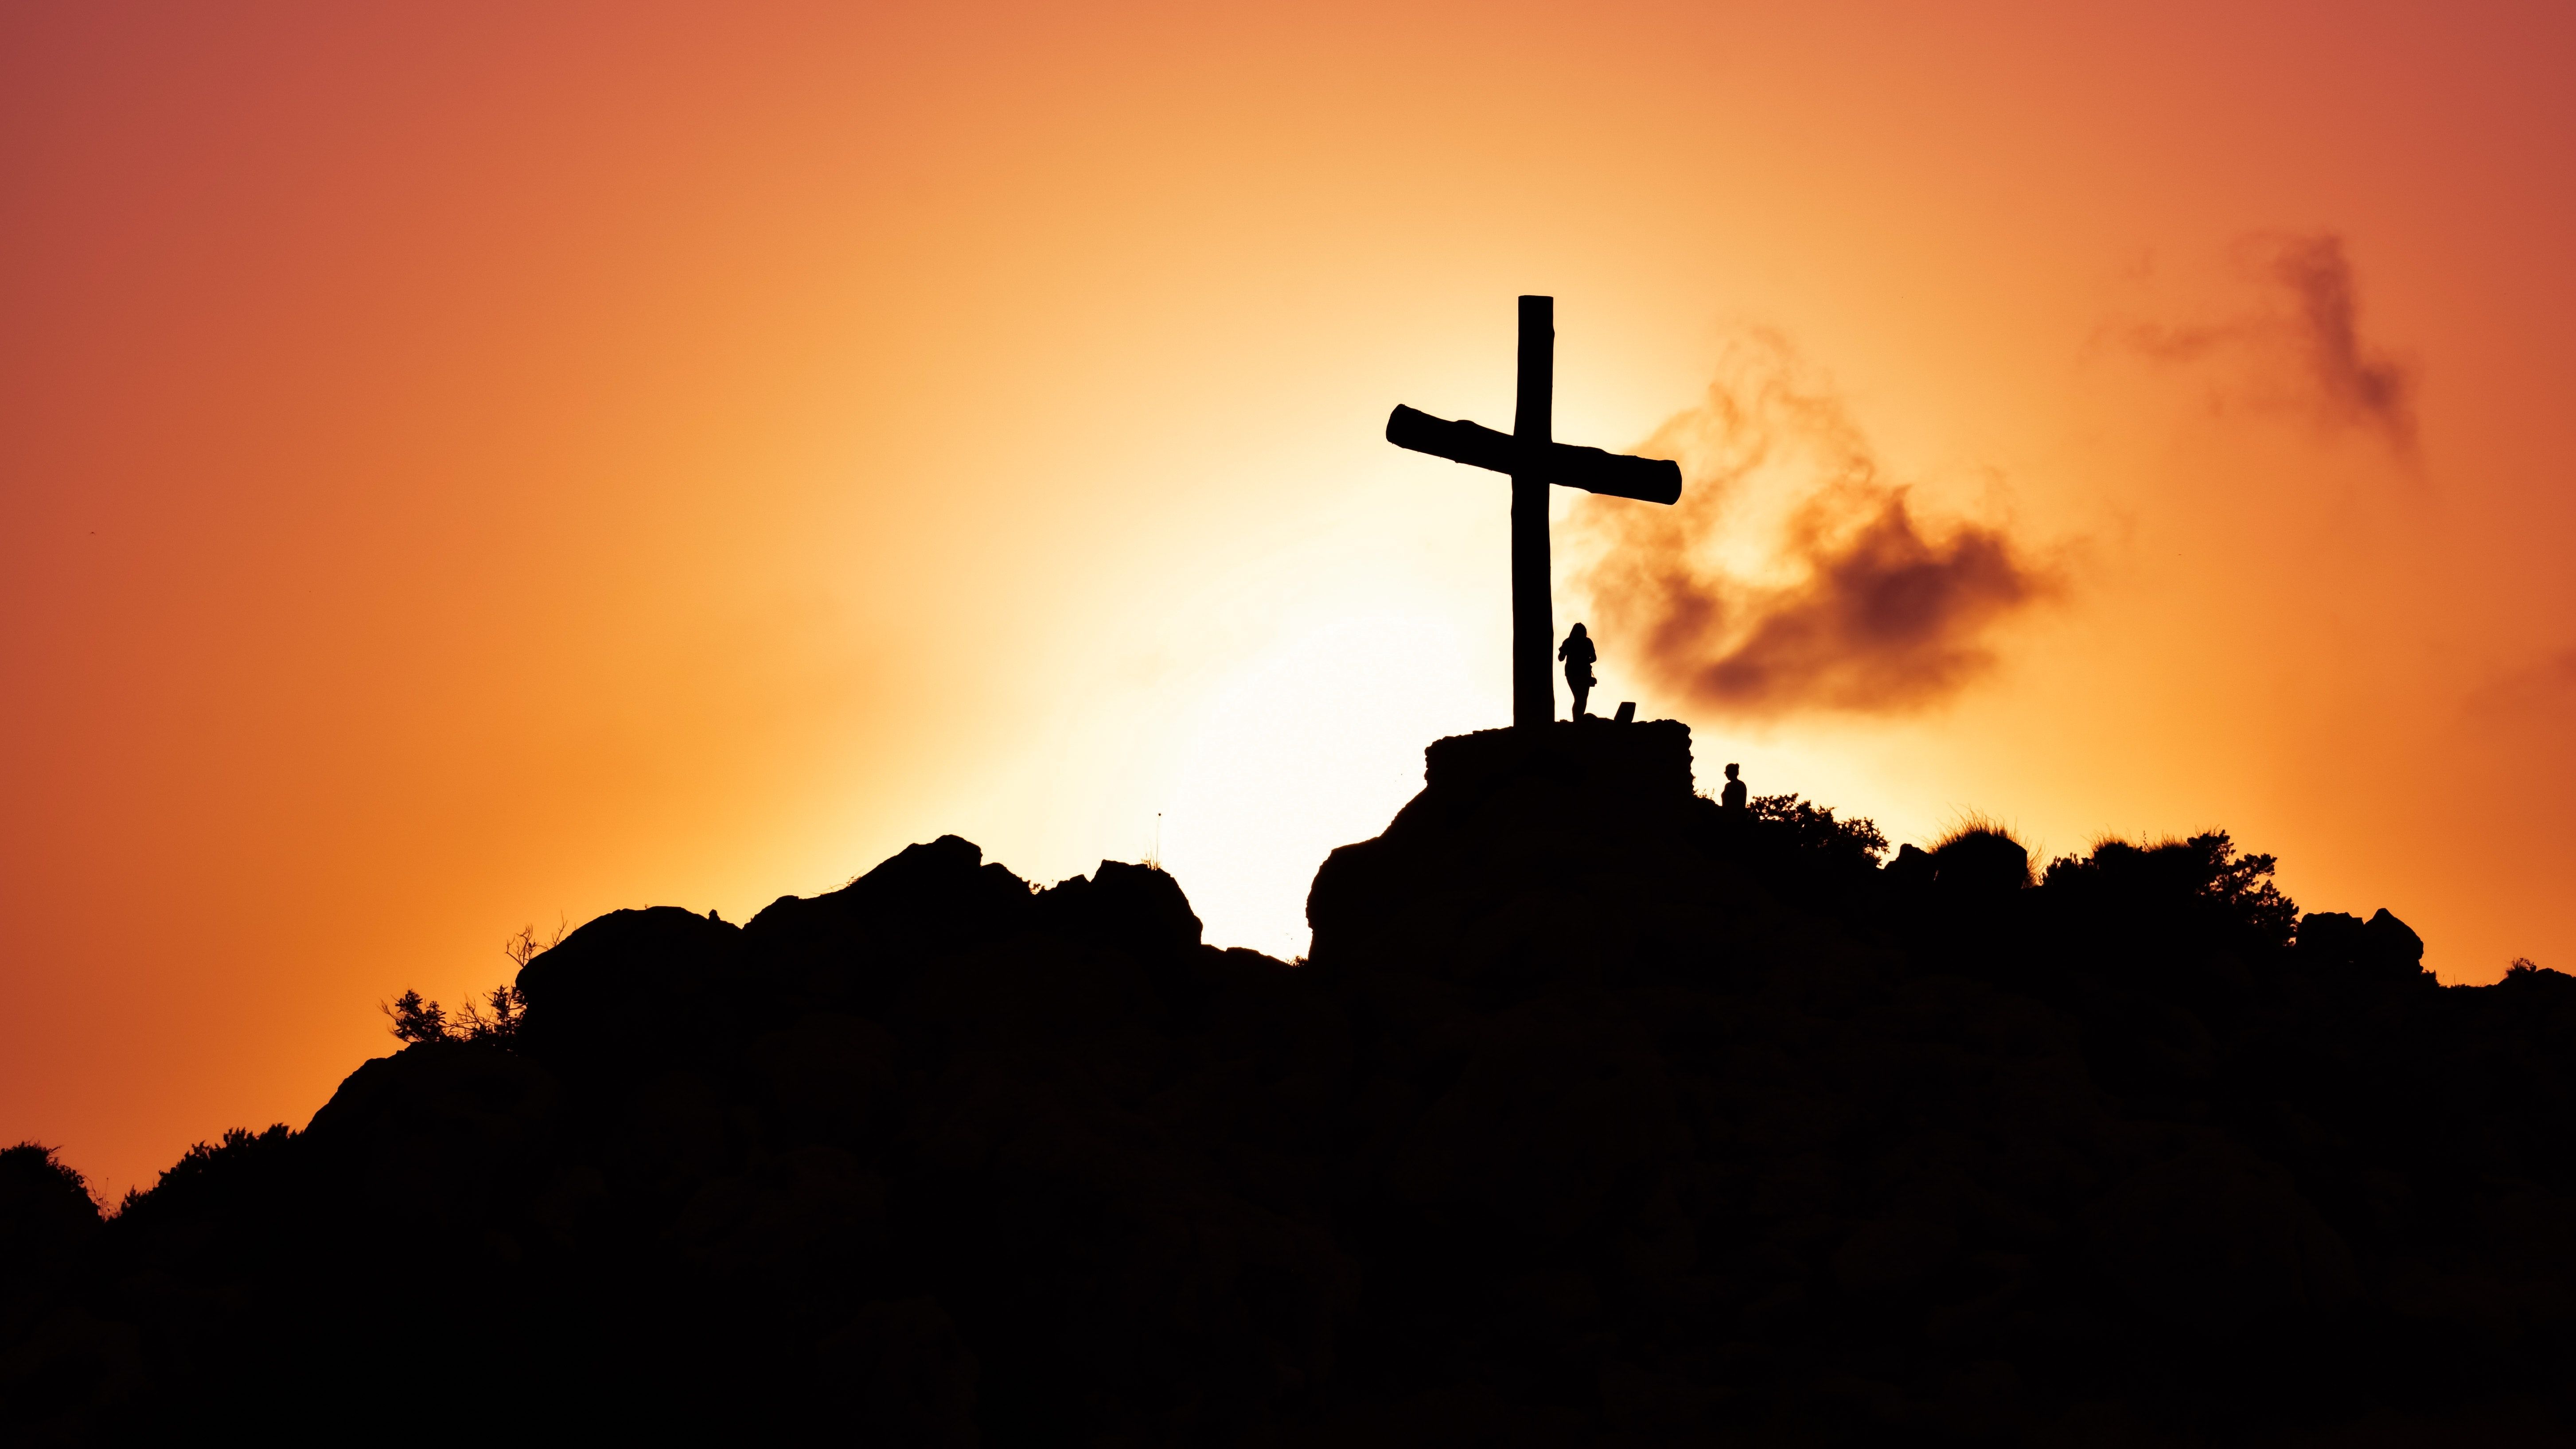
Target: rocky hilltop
(1598, 1115)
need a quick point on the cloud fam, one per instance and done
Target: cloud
(1792, 576)
(2542, 685)
(2298, 340)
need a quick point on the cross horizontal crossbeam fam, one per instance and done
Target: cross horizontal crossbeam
(1649, 480)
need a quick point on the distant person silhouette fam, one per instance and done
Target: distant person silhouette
(1733, 796)
(1577, 652)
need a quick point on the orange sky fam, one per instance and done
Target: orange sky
(469, 466)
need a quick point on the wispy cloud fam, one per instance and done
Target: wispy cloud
(2547, 683)
(2298, 341)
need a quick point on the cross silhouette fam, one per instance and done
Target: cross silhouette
(1534, 460)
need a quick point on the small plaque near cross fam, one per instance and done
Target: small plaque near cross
(1534, 460)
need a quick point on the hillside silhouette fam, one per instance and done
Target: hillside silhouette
(1599, 1114)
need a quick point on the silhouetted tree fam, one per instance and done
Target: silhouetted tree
(417, 1019)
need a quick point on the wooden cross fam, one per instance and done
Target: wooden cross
(1534, 460)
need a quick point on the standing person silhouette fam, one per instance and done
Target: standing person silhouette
(1578, 655)
(1732, 797)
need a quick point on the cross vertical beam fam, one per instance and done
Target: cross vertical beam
(1533, 622)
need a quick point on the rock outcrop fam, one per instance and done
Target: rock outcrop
(1597, 1115)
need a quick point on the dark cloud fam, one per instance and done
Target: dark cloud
(2300, 339)
(1852, 602)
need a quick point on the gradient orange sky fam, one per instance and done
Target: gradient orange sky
(478, 465)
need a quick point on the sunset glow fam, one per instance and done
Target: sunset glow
(470, 465)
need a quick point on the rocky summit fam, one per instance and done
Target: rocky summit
(1598, 1115)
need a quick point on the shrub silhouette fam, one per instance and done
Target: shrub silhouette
(36, 1183)
(1792, 825)
(493, 1020)
(1796, 847)
(209, 1173)
(2203, 876)
(417, 1020)
(1984, 859)
(46, 1214)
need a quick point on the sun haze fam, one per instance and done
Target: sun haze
(472, 466)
